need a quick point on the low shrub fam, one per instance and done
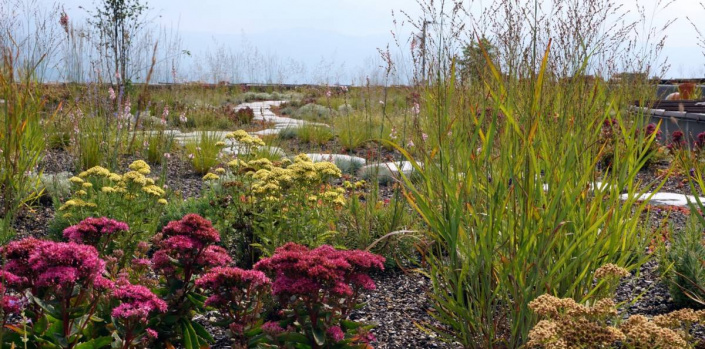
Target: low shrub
(242, 116)
(313, 111)
(185, 250)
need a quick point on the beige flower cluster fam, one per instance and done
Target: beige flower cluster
(610, 270)
(567, 324)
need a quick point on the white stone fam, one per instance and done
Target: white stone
(386, 170)
(666, 199)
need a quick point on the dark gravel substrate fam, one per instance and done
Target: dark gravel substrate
(397, 305)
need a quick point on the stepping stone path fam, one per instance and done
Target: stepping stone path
(263, 112)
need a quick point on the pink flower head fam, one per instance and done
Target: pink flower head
(224, 282)
(187, 244)
(700, 142)
(90, 230)
(192, 225)
(11, 305)
(651, 129)
(213, 256)
(111, 94)
(17, 259)
(416, 109)
(336, 333)
(141, 262)
(152, 333)
(137, 302)
(272, 328)
(424, 137)
(303, 272)
(64, 21)
(63, 264)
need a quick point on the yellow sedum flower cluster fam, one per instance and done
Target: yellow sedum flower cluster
(241, 136)
(272, 180)
(130, 185)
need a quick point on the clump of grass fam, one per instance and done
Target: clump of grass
(355, 130)
(314, 134)
(204, 151)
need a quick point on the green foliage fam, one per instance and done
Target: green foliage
(473, 65)
(158, 144)
(355, 130)
(683, 267)
(510, 201)
(387, 226)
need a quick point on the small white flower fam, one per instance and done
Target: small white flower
(424, 136)
(190, 156)
(167, 155)
(410, 144)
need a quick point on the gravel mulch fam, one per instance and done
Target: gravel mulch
(396, 306)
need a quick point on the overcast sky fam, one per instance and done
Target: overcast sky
(350, 31)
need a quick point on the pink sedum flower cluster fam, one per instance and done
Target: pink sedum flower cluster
(17, 260)
(228, 284)
(187, 245)
(300, 271)
(137, 302)
(319, 287)
(63, 264)
(90, 230)
(238, 295)
(47, 264)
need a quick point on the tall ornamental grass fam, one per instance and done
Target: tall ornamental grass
(514, 202)
(21, 138)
